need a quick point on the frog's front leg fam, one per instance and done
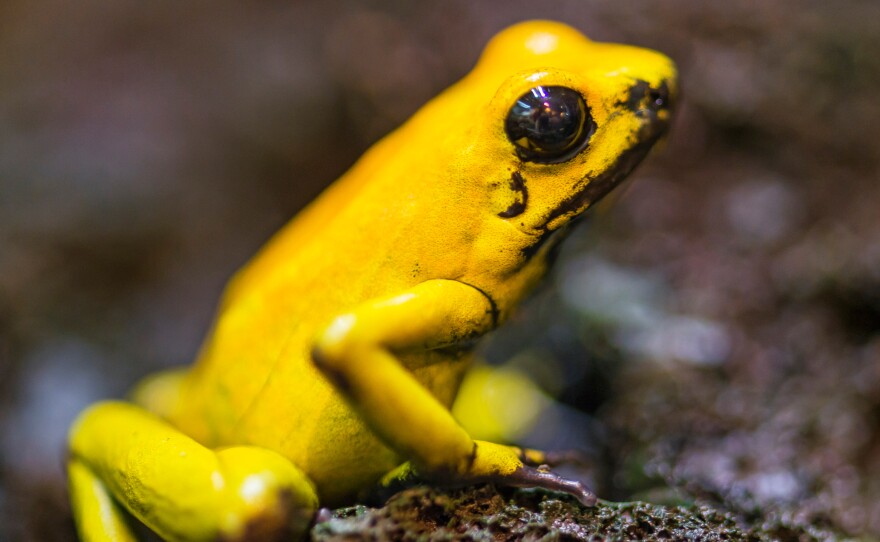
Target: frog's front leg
(121, 454)
(358, 352)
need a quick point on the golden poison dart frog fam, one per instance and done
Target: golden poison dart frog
(338, 350)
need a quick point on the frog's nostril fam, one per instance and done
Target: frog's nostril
(645, 98)
(658, 98)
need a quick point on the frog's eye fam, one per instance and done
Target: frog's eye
(549, 124)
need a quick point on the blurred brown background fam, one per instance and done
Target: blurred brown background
(717, 332)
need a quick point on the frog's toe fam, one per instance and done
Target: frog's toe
(542, 477)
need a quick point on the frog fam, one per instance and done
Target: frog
(336, 352)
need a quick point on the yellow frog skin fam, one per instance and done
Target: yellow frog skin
(337, 351)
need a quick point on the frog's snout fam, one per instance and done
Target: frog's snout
(653, 104)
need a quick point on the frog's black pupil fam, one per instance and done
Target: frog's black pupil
(549, 124)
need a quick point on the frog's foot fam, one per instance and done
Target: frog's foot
(502, 465)
(524, 476)
(541, 477)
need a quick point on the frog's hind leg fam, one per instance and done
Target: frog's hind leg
(121, 454)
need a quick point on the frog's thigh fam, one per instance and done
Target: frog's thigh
(176, 486)
(358, 353)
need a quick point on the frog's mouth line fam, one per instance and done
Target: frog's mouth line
(599, 186)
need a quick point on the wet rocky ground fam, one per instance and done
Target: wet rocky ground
(490, 514)
(710, 345)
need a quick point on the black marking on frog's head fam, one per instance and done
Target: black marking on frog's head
(550, 240)
(518, 185)
(636, 96)
(644, 98)
(531, 249)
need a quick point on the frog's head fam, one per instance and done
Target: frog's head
(568, 119)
